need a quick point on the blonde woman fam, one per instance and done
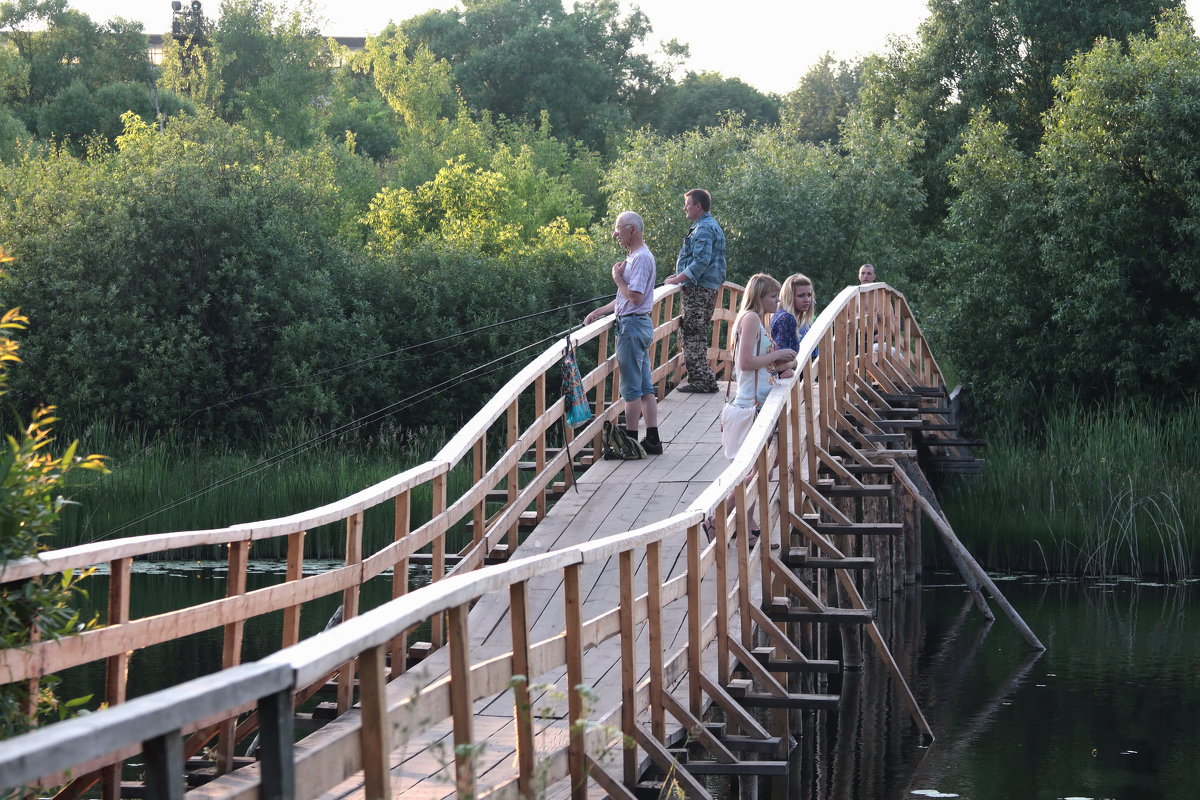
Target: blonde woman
(756, 362)
(798, 303)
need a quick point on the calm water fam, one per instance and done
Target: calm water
(1110, 710)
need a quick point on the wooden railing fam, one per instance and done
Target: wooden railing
(488, 516)
(869, 344)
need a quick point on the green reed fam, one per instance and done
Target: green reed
(1095, 491)
(150, 474)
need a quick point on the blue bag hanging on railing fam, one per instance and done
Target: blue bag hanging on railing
(577, 408)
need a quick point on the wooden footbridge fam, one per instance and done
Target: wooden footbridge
(581, 632)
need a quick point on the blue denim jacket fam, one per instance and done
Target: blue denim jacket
(702, 257)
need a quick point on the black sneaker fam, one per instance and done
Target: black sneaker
(652, 448)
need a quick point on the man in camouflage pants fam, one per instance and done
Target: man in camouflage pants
(700, 267)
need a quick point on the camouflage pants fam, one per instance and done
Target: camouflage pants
(698, 304)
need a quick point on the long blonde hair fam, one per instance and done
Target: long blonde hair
(758, 285)
(787, 299)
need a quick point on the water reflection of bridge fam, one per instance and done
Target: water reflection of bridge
(613, 631)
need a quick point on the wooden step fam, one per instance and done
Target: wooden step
(852, 562)
(766, 657)
(887, 438)
(937, 410)
(813, 702)
(748, 744)
(899, 423)
(737, 768)
(934, 441)
(842, 490)
(797, 613)
(526, 522)
(906, 397)
(860, 529)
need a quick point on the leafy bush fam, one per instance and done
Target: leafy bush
(30, 479)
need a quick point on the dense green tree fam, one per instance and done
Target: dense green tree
(999, 54)
(1122, 149)
(76, 113)
(785, 205)
(1074, 268)
(816, 108)
(519, 57)
(275, 67)
(989, 304)
(170, 274)
(702, 99)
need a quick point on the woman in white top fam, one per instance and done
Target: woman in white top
(757, 365)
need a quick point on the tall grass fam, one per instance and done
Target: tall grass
(148, 476)
(1094, 491)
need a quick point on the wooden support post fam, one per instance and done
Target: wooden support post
(164, 766)
(741, 529)
(601, 391)
(721, 532)
(231, 650)
(628, 661)
(478, 470)
(654, 620)
(436, 636)
(461, 705)
(401, 524)
(376, 731)
(276, 724)
(539, 451)
(763, 488)
(116, 668)
(294, 572)
(513, 425)
(695, 616)
(573, 634)
(350, 595)
(965, 557)
(522, 702)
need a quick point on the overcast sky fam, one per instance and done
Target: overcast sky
(769, 44)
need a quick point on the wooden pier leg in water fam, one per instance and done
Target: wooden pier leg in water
(904, 473)
(116, 668)
(522, 703)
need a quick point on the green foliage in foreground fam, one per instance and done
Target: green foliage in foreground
(31, 477)
(1100, 491)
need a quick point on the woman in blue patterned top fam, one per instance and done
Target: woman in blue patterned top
(797, 303)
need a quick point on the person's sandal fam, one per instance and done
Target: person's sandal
(709, 527)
